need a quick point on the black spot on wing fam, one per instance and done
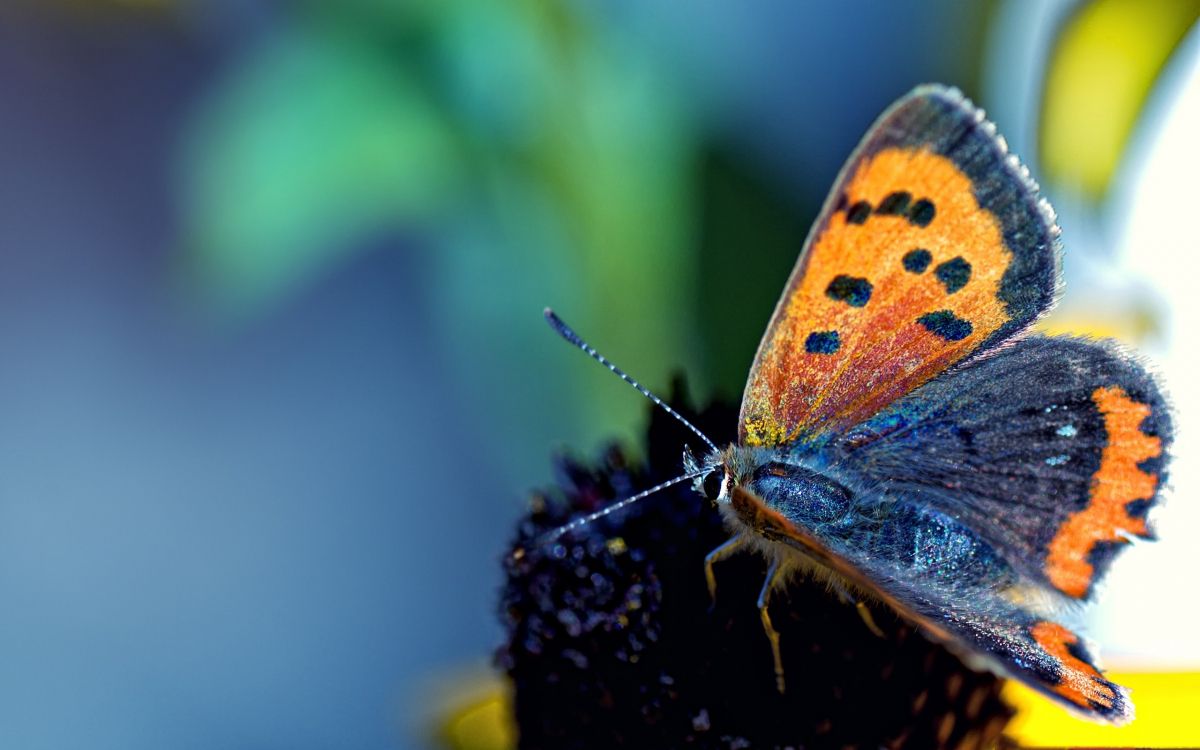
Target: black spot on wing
(954, 274)
(916, 261)
(895, 204)
(942, 121)
(946, 325)
(822, 342)
(1138, 508)
(858, 213)
(921, 213)
(854, 291)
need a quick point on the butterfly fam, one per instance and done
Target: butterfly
(904, 436)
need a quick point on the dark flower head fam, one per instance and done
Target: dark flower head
(613, 642)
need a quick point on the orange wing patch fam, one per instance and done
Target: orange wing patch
(1081, 684)
(1118, 482)
(901, 284)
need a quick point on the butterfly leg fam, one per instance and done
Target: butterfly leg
(764, 598)
(868, 620)
(863, 611)
(720, 553)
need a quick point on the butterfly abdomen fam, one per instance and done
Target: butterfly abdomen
(904, 537)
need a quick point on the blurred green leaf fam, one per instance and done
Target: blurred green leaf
(1106, 60)
(541, 157)
(585, 196)
(313, 143)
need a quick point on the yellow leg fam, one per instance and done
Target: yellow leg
(865, 614)
(718, 554)
(764, 599)
(863, 611)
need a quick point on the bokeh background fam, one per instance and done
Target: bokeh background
(273, 379)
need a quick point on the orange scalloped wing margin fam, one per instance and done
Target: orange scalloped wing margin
(1118, 482)
(1080, 682)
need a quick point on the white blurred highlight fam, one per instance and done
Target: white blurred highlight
(1148, 617)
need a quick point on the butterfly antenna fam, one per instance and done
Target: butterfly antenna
(565, 331)
(550, 536)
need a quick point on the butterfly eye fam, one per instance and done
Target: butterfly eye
(712, 484)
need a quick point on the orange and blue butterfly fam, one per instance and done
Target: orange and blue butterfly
(903, 436)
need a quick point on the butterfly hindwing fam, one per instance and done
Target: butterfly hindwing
(1039, 652)
(932, 247)
(938, 573)
(1052, 450)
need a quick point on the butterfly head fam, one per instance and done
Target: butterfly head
(713, 475)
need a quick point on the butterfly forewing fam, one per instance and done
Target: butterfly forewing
(932, 247)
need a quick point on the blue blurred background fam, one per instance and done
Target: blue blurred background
(274, 383)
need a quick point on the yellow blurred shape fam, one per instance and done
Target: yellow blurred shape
(485, 724)
(1166, 705)
(1100, 73)
(1125, 324)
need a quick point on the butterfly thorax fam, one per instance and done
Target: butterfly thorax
(795, 498)
(772, 490)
